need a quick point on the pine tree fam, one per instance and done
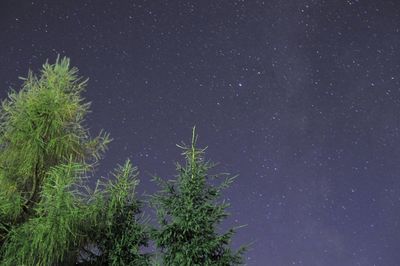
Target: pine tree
(123, 231)
(48, 216)
(42, 135)
(188, 214)
(54, 233)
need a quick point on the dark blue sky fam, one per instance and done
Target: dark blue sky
(300, 98)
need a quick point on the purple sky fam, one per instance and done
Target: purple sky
(300, 98)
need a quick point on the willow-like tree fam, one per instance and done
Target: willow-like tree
(189, 213)
(47, 215)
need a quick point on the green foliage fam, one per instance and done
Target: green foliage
(55, 231)
(121, 233)
(188, 214)
(48, 216)
(42, 126)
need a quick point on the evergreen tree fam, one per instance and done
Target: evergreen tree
(188, 214)
(43, 143)
(121, 234)
(54, 234)
(47, 214)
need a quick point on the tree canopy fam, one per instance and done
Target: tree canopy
(189, 213)
(49, 213)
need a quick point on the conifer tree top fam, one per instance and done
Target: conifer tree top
(189, 213)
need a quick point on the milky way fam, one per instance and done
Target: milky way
(300, 98)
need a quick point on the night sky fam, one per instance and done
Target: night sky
(300, 98)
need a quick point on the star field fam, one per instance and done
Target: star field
(301, 98)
